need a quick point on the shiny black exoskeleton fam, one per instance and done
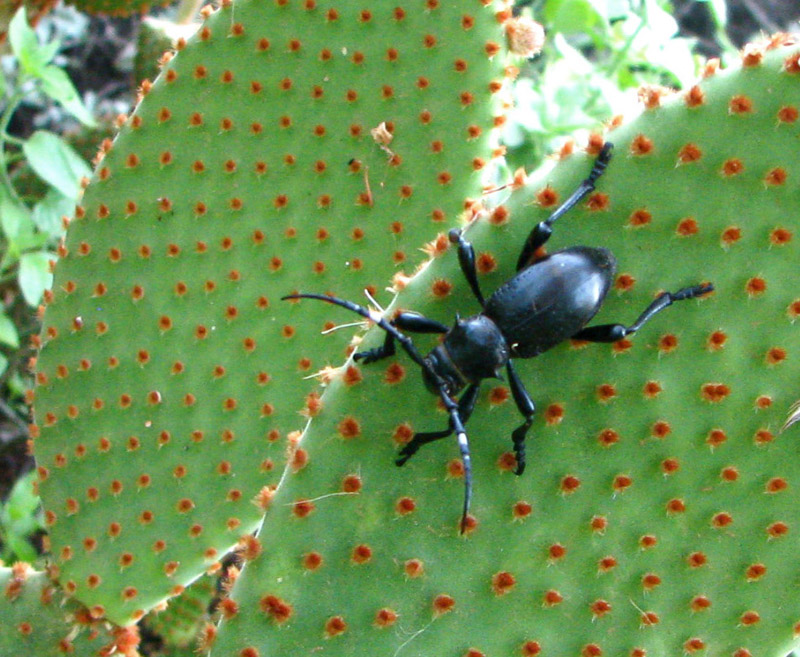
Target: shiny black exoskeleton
(549, 300)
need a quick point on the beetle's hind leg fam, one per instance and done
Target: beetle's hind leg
(465, 406)
(544, 229)
(614, 332)
(407, 321)
(527, 408)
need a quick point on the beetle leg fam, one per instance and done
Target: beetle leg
(542, 231)
(466, 258)
(614, 332)
(526, 407)
(408, 321)
(464, 410)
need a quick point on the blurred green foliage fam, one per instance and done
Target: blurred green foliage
(597, 54)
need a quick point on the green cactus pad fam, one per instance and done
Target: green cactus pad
(171, 376)
(656, 515)
(179, 624)
(37, 621)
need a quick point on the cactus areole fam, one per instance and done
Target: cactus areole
(550, 299)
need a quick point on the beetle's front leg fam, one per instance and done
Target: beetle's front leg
(407, 321)
(544, 229)
(526, 407)
(465, 406)
(466, 259)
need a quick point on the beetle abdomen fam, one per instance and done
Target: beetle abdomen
(552, 299)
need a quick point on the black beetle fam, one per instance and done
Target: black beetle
(549, 300)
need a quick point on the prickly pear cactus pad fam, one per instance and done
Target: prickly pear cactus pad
(288, 145)
(656, 515)
(36, 621)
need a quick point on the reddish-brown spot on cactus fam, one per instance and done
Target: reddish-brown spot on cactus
(714, 392)
(675, 506)
(750, 618)
(405, 505)
(732, 167)
(694, 97)
(763, 402)
(624, 282)
(777, 529)
(303, 508)
(780, 236)
(597, 202)
(641, 145)
(605, 392)
(552, 598)
(521, 510)
(334, 626)
(689, 153)
(621, 346)
(503, 582)
(775, 355)
(608, 437)
(402, 434)
(276, 608)
(792, 63)
(755, 286)
(621, 482)
(312, 560)
(788, 114)
(776, 485)
(385, 617)
(763, 436)
(600, 608)
(667, 343)
(349, 428)
(443, 603)
(721, 520)
(660, 429)
(499, 215)
(687, 226)
(775, 177)
(755, 572)
(697, 560)
(351, 484)
(569, 484)
(740, 104)
(498, 395)
(639, 218)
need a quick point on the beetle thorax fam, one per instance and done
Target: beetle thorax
(472, 350)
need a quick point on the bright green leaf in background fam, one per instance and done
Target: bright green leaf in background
(34, 59)
(49, 212)
(57, 85)
(8, 332)
(24, 44)
(19, 520)
(56, 162)
(15, 218)
(34, 275)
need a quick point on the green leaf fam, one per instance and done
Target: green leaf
(24, 43)
(18, 516)
(57, 85)
(34, 275)
(572, 16)
(47, 214)
(56, 162)
(8, 332)
(15, 218)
